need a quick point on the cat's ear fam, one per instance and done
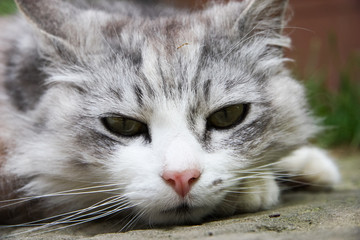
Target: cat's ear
(65, 30)
(49, 17)
(262, 17)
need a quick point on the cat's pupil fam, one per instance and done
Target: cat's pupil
(124, 126)
(227, 117)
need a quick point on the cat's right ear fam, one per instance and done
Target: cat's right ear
(65, 30)
(49, 17)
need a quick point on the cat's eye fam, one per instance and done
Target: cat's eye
(124, 126)
(227, 116)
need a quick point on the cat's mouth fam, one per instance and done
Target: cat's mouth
(183, 214)
(183, 208)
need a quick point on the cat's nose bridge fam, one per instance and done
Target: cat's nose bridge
(181, 154)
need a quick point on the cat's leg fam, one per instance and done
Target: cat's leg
(311, 166)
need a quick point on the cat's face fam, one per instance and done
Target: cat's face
(165, 116)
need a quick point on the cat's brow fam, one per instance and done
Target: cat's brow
(139, 94)
(207, 86)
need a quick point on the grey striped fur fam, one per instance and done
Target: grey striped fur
(67, 64)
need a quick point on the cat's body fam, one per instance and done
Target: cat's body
(162, 116)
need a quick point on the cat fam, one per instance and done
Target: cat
(153, 114)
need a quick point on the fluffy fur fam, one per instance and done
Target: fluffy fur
(67, 64)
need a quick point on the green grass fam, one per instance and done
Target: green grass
(7, 7)
(340, 109)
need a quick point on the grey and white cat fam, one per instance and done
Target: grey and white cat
(157, 115)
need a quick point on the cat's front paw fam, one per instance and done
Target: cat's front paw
(258, 193)
(311, 166)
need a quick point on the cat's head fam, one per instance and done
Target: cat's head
(168, 114)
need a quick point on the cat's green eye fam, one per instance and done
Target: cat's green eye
(227, 117)
(124, 126)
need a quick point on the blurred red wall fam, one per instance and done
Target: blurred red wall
(326, 35)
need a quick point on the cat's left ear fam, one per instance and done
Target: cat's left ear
(262, 17)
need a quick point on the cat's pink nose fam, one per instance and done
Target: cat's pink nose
(181, 181)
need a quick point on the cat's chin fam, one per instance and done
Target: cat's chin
(179, 215)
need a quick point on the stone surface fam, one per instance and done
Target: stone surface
(301, 215)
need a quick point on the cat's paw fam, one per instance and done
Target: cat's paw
(258, 194)
(311, 166)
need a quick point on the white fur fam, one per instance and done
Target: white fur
(312, 165)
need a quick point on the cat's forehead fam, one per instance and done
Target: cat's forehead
(163, 35)
(172, 61)
(198, 58)
(170, 33)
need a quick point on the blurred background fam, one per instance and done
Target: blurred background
(326, 50)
